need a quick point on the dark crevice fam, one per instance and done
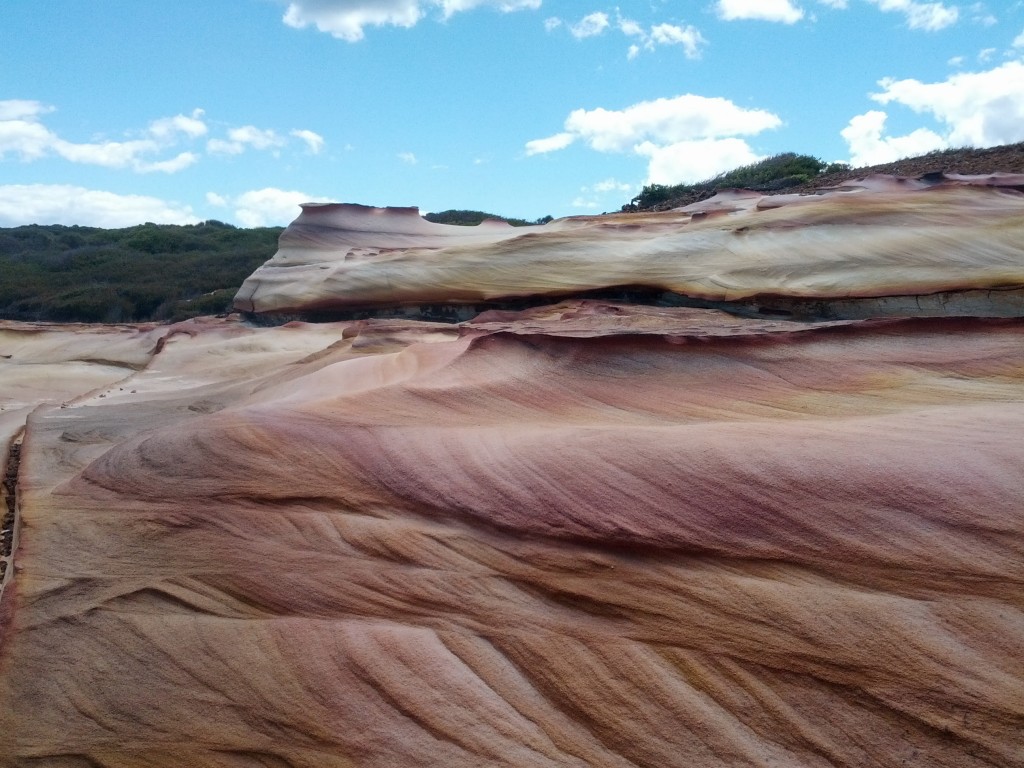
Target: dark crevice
(9, 491)
(993, 302)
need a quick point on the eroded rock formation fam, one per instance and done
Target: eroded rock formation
(881, 238)
(587, 533)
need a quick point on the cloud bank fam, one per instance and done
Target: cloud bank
(154, 149)
(976, 109)
(69, 205)
(348, 19)
(686, 138)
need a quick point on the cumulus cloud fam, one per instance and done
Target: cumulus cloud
(348, 19)
(247, 136)
(590, 25)
(314, 141)
(22, 109)
(868, 145)
(24, 136)
(685, 138)
(167, 128)
(1018, 41)
(666, 121)
(267, 207)
(763, 10)
(691, 161)
(978, 109)
(66, 204)
(930, 17)
(688, 37)
(408, 157)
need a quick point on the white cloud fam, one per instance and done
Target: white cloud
(22, 109)
(450, 7)
(268, 207)
(688, 37)
(552, 24)
(594, 24)
(314, 141)
(166, 128)
(550, 144)
(686, 138)
(23, 135)
(630, 28)
(838, 4)
(986, 54)
(1018, 41)
(666, 121)
(408, 157)
(869, 147)
(66, 204)
(589, 26)
(239, 139)
(930, 17)
(764, 10)
(692, 161)
(175, 164)
(980, 109)
(347, 19)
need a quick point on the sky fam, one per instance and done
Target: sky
(119, 112)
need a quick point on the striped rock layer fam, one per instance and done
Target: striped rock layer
(583, 534)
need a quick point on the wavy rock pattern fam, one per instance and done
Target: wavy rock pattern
(882, 237)
(585, 534)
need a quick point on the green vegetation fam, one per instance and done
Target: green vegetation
(156, 272)
(772, 174)
(472, 218)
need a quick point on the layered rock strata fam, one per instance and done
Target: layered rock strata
(583, 534)
(879, 247)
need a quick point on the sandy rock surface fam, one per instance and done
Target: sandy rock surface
(583, 534)
(879, 237)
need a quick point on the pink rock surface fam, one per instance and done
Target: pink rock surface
(586, 535)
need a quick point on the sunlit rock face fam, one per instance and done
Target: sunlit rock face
(588, 533)
(879, 237)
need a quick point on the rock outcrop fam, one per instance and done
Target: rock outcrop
(588, 533)
(881, 239)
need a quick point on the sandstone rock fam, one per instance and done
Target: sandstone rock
(883, 237)
(583, 534)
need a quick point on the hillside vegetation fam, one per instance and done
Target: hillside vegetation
(790, 172)
(465, 218)
(149, 272)
(772, 174)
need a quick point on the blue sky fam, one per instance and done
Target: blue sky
(117, 112)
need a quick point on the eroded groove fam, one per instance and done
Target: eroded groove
(9, 491)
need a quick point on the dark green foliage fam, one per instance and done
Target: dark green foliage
(472, 218)
(769, 175)
(149, 272)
